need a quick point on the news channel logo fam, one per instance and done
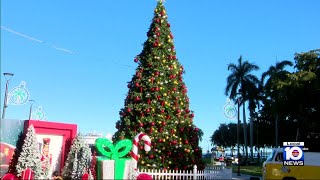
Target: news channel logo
(293, 153)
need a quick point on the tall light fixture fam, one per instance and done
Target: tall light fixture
(31, 104)
(8, 76)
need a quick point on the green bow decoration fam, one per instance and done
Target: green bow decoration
(106, 148)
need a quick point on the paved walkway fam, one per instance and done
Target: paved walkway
(243, 177)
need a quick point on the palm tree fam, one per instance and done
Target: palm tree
(239, 81)
(253, 96)
(275, 73)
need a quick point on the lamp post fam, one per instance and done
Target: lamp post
(30, 111)
(8, 76)
(238, 140)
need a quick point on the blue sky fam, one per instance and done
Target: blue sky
(81, 57)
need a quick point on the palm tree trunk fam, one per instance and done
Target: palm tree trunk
(251, 135)
(276, 129)
(245, 129)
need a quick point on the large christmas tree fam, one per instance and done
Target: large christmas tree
(157, 103)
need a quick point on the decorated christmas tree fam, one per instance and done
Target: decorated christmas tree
(30, 155)
(78, 160)
(157, 103)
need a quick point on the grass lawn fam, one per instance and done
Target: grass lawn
(250, 170)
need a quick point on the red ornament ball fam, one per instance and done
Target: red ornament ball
(144, 176)
(135, 60)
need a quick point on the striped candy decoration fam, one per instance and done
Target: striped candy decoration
(147, 145)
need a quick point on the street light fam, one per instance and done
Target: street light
(8, 76)
(31, 102)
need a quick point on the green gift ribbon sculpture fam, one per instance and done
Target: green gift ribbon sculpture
(111, 152)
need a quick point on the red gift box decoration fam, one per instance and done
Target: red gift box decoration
(27, 174)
